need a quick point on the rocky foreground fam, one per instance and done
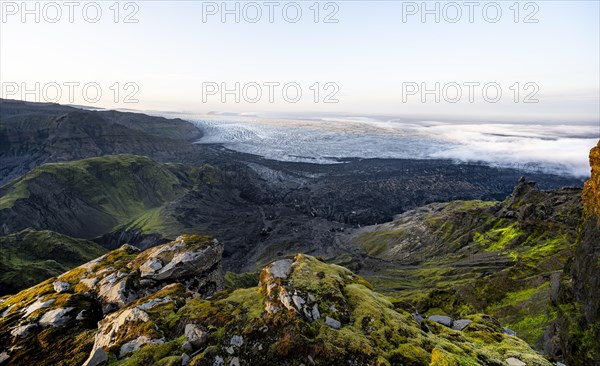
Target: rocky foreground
(166, 306)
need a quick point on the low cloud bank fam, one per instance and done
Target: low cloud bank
(553, 148)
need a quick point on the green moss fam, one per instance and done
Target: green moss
(156, 220)
(545, 248)
(497, 239)
(116, 259)
(375, 243)
(152, 354)
(512, 298)
(241, 280)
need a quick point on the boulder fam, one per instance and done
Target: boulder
(280, 268)
(97, 357)
(23, 330)
(187, 263)
(113, 289)
(55, 317)
(136, 344)
(461, 324)
(108, 328)
(511, 361)
(441, 319)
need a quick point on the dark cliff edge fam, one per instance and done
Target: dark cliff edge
(578, 325)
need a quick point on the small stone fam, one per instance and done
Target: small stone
(5, 312)
(511, 361)
(23, 331)
(97, 357)
(315, 312)
(185, 359)
(61, 286)
(510, 332)
(136, 344)
(218, 361)
(237, 341)
(335, 324)
(461, 324)
(230, 350)
(195, 335)
(298, 301)
(441, 319)
(234, 362)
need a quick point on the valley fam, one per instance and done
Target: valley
(430, 237)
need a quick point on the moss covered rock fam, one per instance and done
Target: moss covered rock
(303, 311)
(107, 303)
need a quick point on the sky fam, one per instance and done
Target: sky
(363, 57)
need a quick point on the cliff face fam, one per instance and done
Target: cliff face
(579, 303)
(591, 190)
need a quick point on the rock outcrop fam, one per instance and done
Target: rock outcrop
(84, 315)
(162, 307)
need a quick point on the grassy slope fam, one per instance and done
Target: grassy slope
(30, 257)
(466, 257)
(127, 191)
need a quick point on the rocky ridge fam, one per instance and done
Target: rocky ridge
(106, 303)
(163, 307)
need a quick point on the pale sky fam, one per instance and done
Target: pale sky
(170, 53)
